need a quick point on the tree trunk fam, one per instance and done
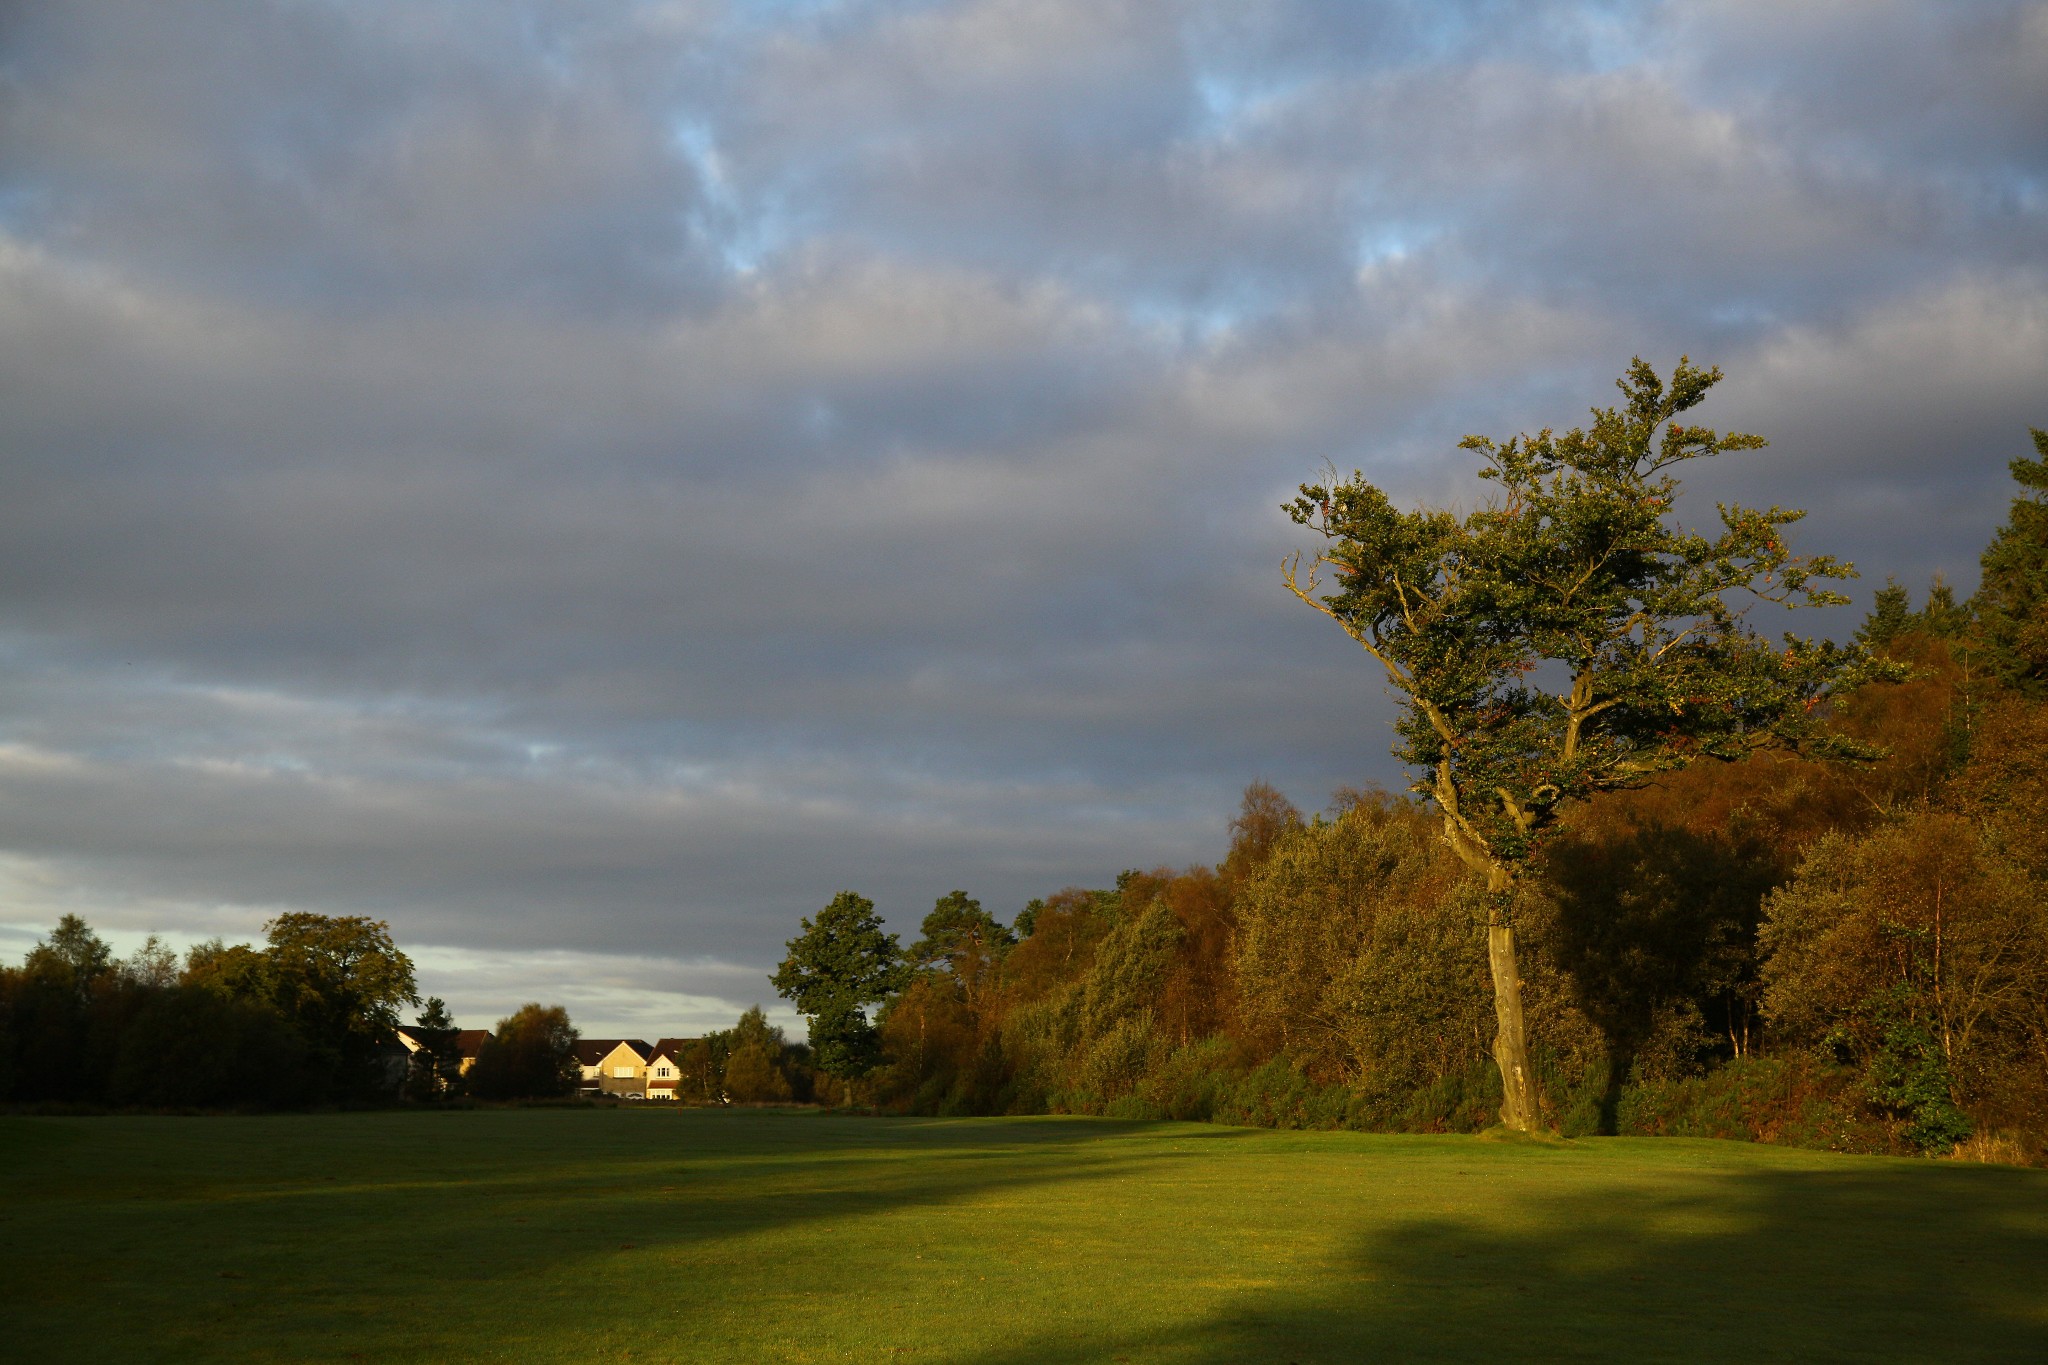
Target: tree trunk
(1518, 1108)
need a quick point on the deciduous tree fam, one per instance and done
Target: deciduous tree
(840, 963)
(531, 1056)
(340, 979)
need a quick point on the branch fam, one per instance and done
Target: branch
(1288, 571)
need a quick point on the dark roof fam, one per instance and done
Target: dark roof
(591, 1051)
(671, 1046)
(468, 1041)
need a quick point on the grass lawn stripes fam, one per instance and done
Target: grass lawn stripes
(665, 1235)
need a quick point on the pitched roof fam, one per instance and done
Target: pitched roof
(591, 1051)
(468, 1041)
(670, 1047)
(415, 1037)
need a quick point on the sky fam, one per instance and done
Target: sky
(586, 482)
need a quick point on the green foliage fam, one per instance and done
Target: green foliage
(1891, 615)
(340, 981)
(1358, 953)
(195, 1048)
(1919, 954)
(840, 963)
(749, 1063)
(1090, 1041)
(305, 1019)
(1027, 919)
(1650, 926)
(435, 1071)
(1577, 572)
(74, 955)
(754, 1075)
(1794, 1101)
(531, 1055)
(958, 931)
(1908, 1075)
(2012, 598)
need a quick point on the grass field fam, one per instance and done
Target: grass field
(609, 1235)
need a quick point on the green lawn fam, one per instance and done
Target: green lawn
(656, 1235)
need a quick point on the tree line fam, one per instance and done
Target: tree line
(310, 1019)
(1795, 891)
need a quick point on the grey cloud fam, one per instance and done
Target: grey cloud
(569, 479)
(348, 153)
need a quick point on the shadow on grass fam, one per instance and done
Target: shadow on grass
(1878, 1262)
(447, 1237)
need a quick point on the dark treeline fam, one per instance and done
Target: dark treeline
(1824, 953)
(312, 1018)
(308, 1019)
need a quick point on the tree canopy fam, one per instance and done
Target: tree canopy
(840, 963)
(2012, 599)
(1570, 637)
(532, 1055)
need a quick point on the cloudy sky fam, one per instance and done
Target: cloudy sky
(586, 481)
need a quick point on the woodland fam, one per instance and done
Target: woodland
(1825, 929)
(1822, 922)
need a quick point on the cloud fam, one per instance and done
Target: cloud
(598, 481)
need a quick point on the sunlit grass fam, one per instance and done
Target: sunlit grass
(657, 1235)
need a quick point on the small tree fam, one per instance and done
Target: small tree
(1263, 819)
(2012, 599)
(1566, 639)
(839, 964)
(73, 953)
(436, 1069)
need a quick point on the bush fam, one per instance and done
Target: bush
(1795, 1102)
(753, 1076)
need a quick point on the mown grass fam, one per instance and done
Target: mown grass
(656, 1235)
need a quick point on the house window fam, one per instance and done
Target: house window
(624, 1073)
(663, 1071)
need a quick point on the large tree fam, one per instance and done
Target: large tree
(841, 963)
(532, 1055)
(1570, 638)
(340, 979)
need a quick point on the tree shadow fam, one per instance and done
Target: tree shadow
(406, 1236)
(1889, 1261)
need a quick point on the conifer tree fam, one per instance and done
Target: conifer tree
(2012, 600)
(1568, 639)
(1891, 615)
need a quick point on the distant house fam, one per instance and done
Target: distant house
(664, 1068)
(614, 1066)
(468, 1041)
